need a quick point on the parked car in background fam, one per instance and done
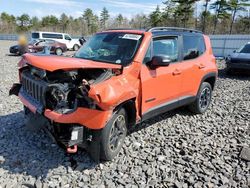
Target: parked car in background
(37, 45)
(239, 60)
(118, 79)
(60, 37)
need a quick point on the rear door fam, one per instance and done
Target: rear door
(161, 87)
(193, 63)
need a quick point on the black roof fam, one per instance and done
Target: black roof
(158, 31)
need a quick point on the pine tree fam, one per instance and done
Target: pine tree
(119, 20)
(64, 21)
(104, 18)
(184, 10)
(234, 6)
(205, 14)
(23, 22)
(91, 21)
(156, 17)
(220, 8)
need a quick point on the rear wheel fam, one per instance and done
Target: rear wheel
(113, 135)
(76, 47)
(59, 51)
(203, 99)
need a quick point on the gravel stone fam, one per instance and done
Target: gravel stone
(245, 154)
(177, 148)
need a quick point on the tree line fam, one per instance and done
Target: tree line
(214, 17)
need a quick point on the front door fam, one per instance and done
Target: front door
(161, 86)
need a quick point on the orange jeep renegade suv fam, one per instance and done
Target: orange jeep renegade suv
(116, 80)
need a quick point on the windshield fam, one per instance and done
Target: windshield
(245, 49)
(117, 48)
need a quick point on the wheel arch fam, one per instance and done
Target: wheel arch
(210, 78)
(130, 108)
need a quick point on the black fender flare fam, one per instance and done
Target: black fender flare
(206, 76)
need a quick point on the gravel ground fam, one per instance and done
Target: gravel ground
(176, 149)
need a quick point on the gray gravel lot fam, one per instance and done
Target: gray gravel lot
(176, 149)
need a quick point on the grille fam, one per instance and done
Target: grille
(33, 86)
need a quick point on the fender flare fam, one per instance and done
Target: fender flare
(209, 75)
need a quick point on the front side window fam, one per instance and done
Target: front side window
(67, 37)
(117, 48)
(166, 47)
(193, 47)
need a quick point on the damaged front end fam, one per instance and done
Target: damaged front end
(60, 101)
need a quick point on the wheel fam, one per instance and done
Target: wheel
(76, 47)
(59, 51)
(113, 135)
(203, 99)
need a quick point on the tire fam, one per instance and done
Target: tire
(59, 51)
(76, 47)
(203, 99)
(115, 131)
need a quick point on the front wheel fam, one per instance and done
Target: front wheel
(203, 99)
(113, 135)
(76, 47)
(59, 51)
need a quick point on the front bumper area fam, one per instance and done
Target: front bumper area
(90, 118)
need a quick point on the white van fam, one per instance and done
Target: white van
(60, 37)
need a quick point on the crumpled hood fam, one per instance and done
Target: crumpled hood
(53, 62)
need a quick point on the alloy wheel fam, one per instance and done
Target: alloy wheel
(205, 98)
(117, 132)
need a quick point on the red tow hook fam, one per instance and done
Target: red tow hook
(72, 149)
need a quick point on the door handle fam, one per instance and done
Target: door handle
(201, 66)
(176, 72)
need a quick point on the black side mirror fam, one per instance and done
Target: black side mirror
(159, 61)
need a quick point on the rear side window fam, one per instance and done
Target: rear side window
(52, 36)
(193, 47)
(35, 35)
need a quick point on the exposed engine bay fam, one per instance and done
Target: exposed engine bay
(62, 91)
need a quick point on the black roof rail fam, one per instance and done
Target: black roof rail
(172, 29)
(114, 29)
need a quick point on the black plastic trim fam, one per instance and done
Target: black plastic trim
(167, 107)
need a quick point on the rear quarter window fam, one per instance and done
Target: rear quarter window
(193, 46)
